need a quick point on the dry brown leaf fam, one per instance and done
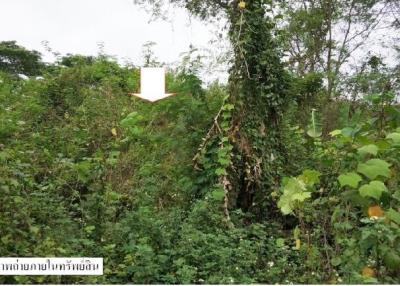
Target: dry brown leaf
(368, 272)
(375, 211)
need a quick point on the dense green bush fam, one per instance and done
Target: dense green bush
(88, 170)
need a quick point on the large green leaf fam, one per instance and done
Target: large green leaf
(393, 216)
(301, 196)
(335, 132)
(348, 132)
(368, 149)
(310, 177)
(130, 120)
(395, 137)
(218, 194)
(382, 144)
(284, 204)
(374, 168)
(314, 133)
(373, 190)
(294, 191)
(294, 185)
(350, 179)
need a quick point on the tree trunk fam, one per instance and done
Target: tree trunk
(258, 85)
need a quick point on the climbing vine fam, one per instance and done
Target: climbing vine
(248, 127)
(258, 87)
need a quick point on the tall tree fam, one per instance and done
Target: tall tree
(322, 35)
(18, 60)
(249, 125)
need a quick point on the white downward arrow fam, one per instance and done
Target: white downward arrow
(152, 84)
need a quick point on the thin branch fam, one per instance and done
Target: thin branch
(214, 126)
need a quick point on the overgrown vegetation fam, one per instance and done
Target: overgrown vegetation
(288, 174)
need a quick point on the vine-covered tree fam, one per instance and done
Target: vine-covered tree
(248, 128)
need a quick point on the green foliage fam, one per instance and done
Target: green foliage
(360, 213)
(297, 190)
(267, 197)
(15, 59)
(395, 136)
(368, 149)
(350, 179)
(74, 161)
(374, 168)
(374, 189)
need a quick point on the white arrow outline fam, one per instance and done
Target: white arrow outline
(149, 87)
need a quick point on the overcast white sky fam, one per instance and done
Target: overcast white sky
(77, 26)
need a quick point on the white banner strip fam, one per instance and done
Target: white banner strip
(51, 266)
